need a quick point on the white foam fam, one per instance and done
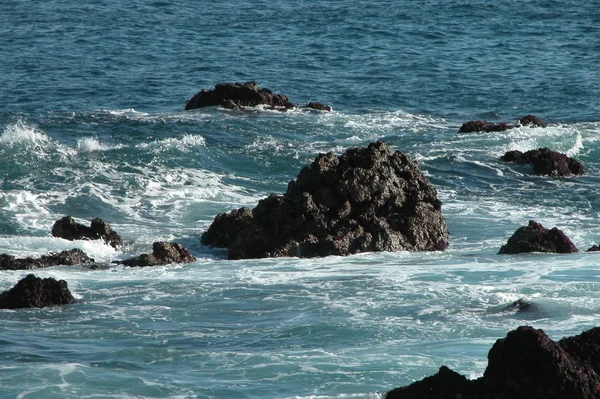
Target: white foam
(91, 144)
(21, 132)
(186, 143)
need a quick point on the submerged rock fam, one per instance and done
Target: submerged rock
(67, 258)
(367, 199)
(485, 126)
(546, 162)
(536, 238)
(525, 364)
(34, 292)
(241, 95)
(163, 253)
(68, 229)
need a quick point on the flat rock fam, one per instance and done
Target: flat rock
(68, 229)
(485, 126)
(536, 238)
(238, 95)
(68, 258)
(367, 199)
(163, 253)
(546, 162)
(34, 292)
(525, 364)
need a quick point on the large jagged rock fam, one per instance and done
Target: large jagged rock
(485, 126)
(525, 364)
(238, 95)
(67, 258)
(367, 199)
(68, 229)
(546, 162)
(34, 292)
(163, 253)
(536, 238)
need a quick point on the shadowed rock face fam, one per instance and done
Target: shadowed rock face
(68, 229)
(525, 364)
(546, 162)
(34, 292)
(163, 253)
(367, 199)
(68, 258)
(536, 238)
(485, 126)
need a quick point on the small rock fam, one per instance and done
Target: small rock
(546, 162)
(536, 238)
(34, 292)
(68, 229)
(163, 253)
(68, 258)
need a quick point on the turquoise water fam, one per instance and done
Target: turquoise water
(92, 125)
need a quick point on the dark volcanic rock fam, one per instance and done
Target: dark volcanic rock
(68, 229)
(536, 238)
(318, 106)
(68, 258)
(34, 292)
(367, 199)
(525, 364)
(485, 126)
(238, 95)
(546, 162)
(163, 253)
(594, 248)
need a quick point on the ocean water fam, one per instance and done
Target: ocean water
(92, 125)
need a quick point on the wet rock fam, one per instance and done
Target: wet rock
(67, 258)
(237, 96)
(68, 229)
(163, 253)
(536, 238)
(525, 364)
(593, 248)
(546, 162)
(318, 106)
(34, 292)
(485, 126)
(521, 306)
(368, 199)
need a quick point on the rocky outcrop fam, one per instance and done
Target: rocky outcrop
(163, 253)
(546, 162)
(241, 95)
(594, 248)
(367, 199)
(67, 258)
(525, 364)
(536, 238)
(485, 126)
(68, 229)
(34, 292)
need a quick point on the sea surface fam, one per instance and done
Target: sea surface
(92, 125)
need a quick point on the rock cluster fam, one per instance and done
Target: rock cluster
(163, 253)
(546, 162)
(536, 238)
(367, 199)
(69, 258)
(525, 364)
(241, 95)
(68, 229)
(485, 126)
(34, 292)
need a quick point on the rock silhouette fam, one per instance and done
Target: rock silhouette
(68, 229)
(367, 199)
(68, 258)
(34, 292)
(546, 162)
(163, 253)
(485, 126)
(525, 364)
(536, 238)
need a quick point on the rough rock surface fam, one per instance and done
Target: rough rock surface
(536, 238)
(68, 229)
(237, 95)
(546, 162)
(485, 126)
(163, 253)
(368, 199)
(34, 292)
(318, 106)
(525, 364)
(68, 258)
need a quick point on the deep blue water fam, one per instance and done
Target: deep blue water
(92, 125)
